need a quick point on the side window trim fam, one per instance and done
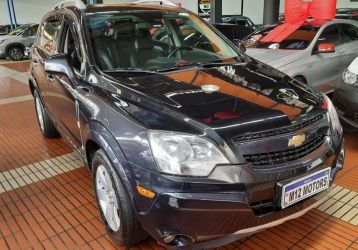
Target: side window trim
(69, 25)
(40, 33)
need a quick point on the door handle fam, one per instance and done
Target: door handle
(50, 78)
(342, 51)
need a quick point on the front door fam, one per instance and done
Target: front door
(63, 90)
(44, 46)
(328, 67)
(349, 33)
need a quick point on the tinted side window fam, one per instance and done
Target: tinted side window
(48, 35)
(226, 32)
(33, 30)
(330, 35)
(4, 29)
(349, 33)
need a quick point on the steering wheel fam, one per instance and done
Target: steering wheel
(179, 48)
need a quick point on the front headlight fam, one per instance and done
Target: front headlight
(181, 154)
(350, 78)
(333, 116)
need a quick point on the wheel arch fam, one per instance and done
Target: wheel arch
(10, 45)
(302, 77)
(94, 140)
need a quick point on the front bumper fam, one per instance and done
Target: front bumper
(208, 219)
(345, 100)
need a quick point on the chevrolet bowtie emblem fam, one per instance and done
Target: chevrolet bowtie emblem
(297, 140)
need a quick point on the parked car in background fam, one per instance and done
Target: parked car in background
(347, 13)
(194, 38)
(196, 146)
(5, 29)
(316, 54)
(13, 44)
(27, 50)
(345, 98)
(241, 20)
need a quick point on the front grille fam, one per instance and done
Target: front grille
(276, 132)
(285, 156)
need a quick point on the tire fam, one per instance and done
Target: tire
(16, 53)
(121, 223)
(47, 128)
(300, 78)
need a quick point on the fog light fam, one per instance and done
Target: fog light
(168, 239)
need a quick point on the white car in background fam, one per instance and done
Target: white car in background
(14, 44)
(316, 54)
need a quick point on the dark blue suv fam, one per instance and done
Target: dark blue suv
(195, 145)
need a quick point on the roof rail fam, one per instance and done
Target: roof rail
(78, 4)
(162, 2)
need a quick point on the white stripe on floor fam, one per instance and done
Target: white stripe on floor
(38, 171)
(16, 99)
(342, 204)
(20, 76)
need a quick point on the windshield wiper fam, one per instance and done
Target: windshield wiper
(198, 65)
(130, 70)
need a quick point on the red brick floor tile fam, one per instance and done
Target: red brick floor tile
(22, 241)
(18, 66)
(68, 241)
(45, 226)
(84, 233)
(38, 247)
(38, 231)
(76, 237)
(30, 236)
(11, 242)
(47, 244)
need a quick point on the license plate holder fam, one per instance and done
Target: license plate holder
(304, 187)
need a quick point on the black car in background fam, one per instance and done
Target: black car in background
(347, 13)
(196, 146)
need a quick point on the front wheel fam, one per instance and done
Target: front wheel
(115, 207)
(16, 53)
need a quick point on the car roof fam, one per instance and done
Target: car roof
(102, 8)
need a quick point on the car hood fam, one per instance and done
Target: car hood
(275, 57)
(7, 37)
(251, 97)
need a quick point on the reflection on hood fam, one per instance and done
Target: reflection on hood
(250, 97)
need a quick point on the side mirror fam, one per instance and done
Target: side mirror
(326, 48)
(240, 44)
(59, 65)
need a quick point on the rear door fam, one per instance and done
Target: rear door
(349, 34)
(328, 67)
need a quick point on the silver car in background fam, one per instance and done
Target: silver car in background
(317, 53)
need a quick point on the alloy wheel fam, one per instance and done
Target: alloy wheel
(16, 54)
(107, 198)
(39, 111)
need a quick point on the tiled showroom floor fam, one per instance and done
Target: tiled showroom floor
(47, 201)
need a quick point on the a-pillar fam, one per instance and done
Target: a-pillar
(216, 11)
(271, 11)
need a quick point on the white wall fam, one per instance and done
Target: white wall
(27, 11)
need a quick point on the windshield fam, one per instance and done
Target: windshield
(298, 40)
(19, 31)
(154, 40)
